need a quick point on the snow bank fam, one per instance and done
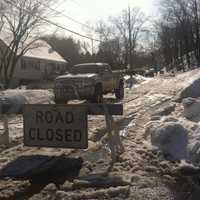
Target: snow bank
(31, 96)
(176, 138)
(191, 90)
(192, 109)
(136, 79)
(17, 100)
(169, 137)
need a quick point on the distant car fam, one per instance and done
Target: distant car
(1, 86)
(139, 71)
(162, 71)
(89, 81)
(149, 72)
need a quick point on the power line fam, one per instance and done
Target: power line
(53, 23)
(75, 2)
(68, 17)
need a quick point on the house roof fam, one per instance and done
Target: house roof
(44, 51)
(39, 49)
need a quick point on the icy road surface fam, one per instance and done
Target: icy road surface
(139, 173)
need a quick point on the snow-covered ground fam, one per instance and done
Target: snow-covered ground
(142, 171)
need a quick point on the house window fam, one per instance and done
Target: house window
(52, 65)
(23, 65)
(62, 68)
(58, 67)
(37, 65)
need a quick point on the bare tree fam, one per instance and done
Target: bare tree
(22, 22)
(105, 32)
(2, 10)
(195, 13)
(179, 31)
(110, 49)
(129, 26)
(69, 48)
(120, 36)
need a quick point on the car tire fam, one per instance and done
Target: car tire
(58, 101)
(119, 92)
(98, 94)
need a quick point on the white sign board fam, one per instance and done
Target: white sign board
(63, 126)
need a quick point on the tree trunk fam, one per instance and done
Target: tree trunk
(197, 33)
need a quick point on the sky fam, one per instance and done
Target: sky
(91, 11)
(97, 9)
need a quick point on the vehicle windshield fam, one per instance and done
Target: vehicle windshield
(85, 69)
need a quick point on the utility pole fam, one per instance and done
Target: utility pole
(92, 46)
(130, 38)
(197, 32)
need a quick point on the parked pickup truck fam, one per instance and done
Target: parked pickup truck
(88, 81)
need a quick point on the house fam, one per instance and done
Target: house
(39, 63)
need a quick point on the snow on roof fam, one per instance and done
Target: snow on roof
(91, 64)
(44, 51)
(39, 49)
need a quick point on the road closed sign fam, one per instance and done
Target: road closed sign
(61, 126)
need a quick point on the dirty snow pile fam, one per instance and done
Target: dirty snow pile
(134, 80)
(178, 136)
(20, 96)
